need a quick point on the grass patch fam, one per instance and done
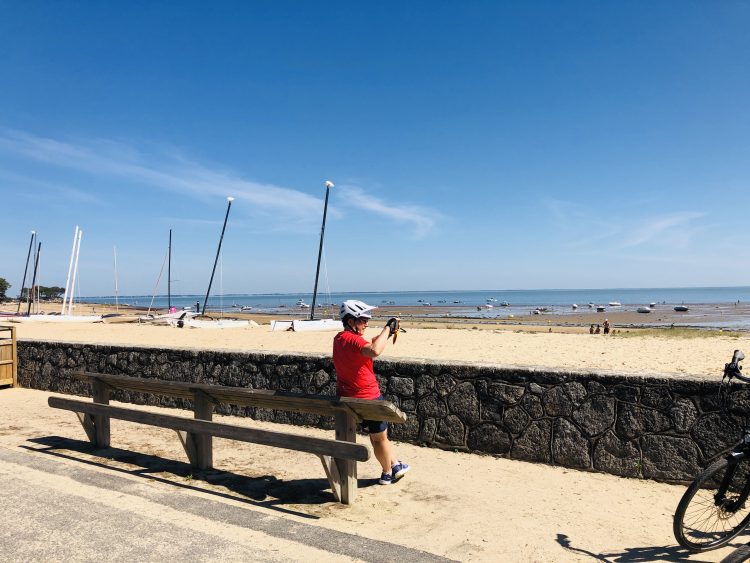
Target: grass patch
(676, 333)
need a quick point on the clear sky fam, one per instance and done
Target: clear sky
(474, 145)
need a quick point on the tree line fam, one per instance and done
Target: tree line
(47, 293)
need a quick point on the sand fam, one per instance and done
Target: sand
(462, 506)
(627, 352)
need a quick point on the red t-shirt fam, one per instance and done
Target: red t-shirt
(354, 374)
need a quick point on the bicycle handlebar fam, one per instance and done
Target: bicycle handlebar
(734, 369)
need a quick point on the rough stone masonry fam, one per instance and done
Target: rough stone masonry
(655, 427)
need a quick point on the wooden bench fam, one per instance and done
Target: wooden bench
(339, 456)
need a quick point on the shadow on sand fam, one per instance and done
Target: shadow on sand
(652, 553)
(265, 491)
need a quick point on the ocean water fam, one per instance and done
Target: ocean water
(462, 302)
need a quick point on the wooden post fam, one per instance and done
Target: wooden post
(8, 358)
(101, 423)
(346, 430)
(203, 443)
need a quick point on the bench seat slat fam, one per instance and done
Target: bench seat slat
(319, 446)
(263, 398)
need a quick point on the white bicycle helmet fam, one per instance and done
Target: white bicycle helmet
(356, 309)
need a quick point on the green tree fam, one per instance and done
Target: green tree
(4, 286)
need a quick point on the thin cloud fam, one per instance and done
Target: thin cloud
(422, 220)
(44, 186)
(175, 172)
(672, 227)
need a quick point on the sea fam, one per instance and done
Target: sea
(473, 303)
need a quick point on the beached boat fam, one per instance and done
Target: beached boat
(211, 323)
(652, 305)
(53, 318)
(615, 304)
(245, 308)
(574, 306)
(680, 308)
(643, 309)
(505, 304)
(600, 308)
(117, 318)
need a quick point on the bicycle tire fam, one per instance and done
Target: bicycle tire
(700, 524)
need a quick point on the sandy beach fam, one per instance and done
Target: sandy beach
(507, 511)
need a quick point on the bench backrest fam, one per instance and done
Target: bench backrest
(363, 409)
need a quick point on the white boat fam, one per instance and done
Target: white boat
(615, 304)
(56, 319)
(306, 325)
(245, 308)
(643, 309)
(600, 308)
(652, 305)
(118, 318)
(505, 304)
(680, 308)
(575, 306)
(206, 323)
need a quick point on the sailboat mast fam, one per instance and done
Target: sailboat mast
(70, 269)
(33, 280)
(25, 270)
(328, 185)
(169, 274)
(218, 250)
(75, 273)
(117, 289)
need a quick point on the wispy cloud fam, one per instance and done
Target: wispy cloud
(618, 231)
(421, 219)
(170, 170)
(9, 178)
(672, 227)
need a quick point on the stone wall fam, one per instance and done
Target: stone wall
(653, 427)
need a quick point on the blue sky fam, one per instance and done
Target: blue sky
(474, 145)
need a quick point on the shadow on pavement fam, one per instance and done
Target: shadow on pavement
(266, 491)
(653, 553)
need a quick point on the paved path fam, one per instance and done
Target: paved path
(55, 512)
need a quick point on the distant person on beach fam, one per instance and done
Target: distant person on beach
(197, 306)
(591, 329)
(355, 377)
(597, 330)
(606, 326)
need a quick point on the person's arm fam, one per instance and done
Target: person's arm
(376, 347)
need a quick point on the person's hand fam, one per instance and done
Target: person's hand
(393, 325)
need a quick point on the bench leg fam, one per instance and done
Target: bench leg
(332, 473)
(204, 410)
(199, 447)
(87, 422)
(346, 430)
(101, 423)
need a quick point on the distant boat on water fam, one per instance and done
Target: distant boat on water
(615, 304)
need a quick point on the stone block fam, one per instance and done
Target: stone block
(488, 438)
(570, 448)
(669, 458)
(463, 403)
(561, 400)
(534, 443)
(616, 456)
(595, 415)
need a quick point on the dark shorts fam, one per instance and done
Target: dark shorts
(374, 426)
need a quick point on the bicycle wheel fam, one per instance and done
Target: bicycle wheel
(707, 517)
